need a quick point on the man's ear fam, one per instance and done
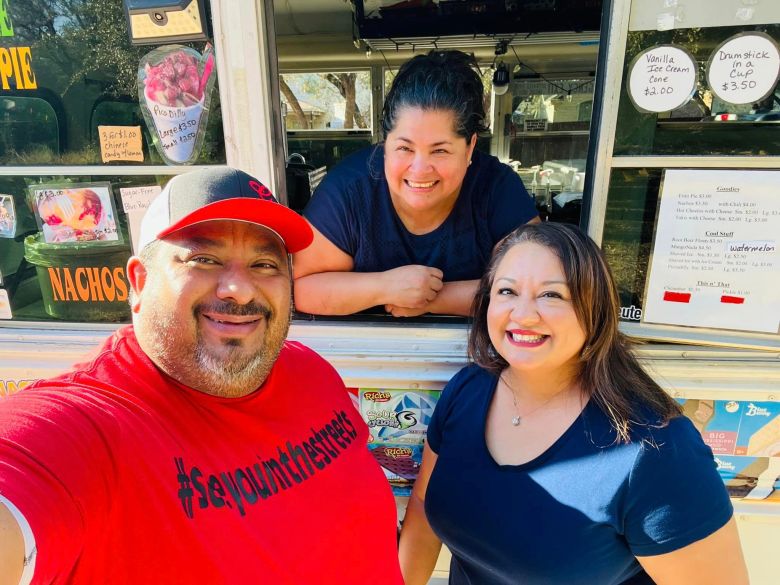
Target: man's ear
(136, 276)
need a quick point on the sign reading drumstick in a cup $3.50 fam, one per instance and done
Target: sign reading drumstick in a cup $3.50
(744, 69)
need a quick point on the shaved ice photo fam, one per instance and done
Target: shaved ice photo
(75, 214)
(174, 85)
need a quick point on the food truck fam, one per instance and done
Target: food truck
(653, 124)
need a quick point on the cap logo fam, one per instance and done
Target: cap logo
(262, 190)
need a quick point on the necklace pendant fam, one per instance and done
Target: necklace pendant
(516, 421)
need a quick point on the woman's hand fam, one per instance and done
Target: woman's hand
(454, 298)
(396, 311)
(413, 286)
(419, 546)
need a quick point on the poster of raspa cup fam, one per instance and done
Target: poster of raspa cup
(75, 213)
(174, 90)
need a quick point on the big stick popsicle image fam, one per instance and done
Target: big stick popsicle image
(175, 91)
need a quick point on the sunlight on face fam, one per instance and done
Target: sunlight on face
(531, 319)
(425, 160)
(215, 308)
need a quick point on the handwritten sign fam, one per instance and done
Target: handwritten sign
(135, 201)
(120, 143)
(662, 79)
(744, 69)
(716, 255)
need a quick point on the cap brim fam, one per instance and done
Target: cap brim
(291, 227)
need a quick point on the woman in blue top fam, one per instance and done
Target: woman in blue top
(555, 459)
(410, 224)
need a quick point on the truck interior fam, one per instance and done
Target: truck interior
(337, 59)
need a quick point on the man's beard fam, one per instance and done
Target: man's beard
(232, 371)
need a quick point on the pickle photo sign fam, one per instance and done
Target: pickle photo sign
(745, 68)
(661, 79)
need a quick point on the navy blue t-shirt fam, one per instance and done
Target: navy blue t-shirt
(578, 513)
(353, 209)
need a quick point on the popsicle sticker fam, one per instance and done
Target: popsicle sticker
(174, 89)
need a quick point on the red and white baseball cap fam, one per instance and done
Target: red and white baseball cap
(221, 193)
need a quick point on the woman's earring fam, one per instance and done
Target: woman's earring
(469, 162)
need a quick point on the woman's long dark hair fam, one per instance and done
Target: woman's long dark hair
(440, 80)
(609, 372)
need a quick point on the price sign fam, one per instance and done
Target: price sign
(745, 68)
(661, 79)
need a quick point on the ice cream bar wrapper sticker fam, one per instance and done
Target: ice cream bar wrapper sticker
(174, 90)
(397, 416)
(401, 464)
(745, 439)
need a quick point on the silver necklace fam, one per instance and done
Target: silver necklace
(517, 419)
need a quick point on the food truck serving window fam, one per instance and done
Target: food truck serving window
(77, 99)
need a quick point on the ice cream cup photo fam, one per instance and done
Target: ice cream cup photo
(75, 213)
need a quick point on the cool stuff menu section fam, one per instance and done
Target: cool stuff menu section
(715, 256)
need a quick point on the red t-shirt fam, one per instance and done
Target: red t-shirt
(126, 476)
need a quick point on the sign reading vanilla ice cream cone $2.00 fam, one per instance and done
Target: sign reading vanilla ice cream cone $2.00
(174, 90)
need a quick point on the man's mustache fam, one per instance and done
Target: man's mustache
(228, 308)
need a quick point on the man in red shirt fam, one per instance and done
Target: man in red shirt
(199, 446)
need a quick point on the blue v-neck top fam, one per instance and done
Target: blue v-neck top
(577, 514)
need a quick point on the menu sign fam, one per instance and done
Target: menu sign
(745, 68)
(716, 255)
(662, 79)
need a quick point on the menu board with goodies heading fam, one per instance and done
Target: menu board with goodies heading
(716, 259)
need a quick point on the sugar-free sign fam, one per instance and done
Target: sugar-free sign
(745, 68)
(662, 79)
